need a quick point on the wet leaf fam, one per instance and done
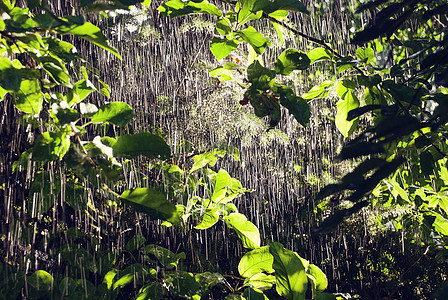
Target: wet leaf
(291, 60)
(347, 103)
(252, 293)
(261, 78)
(291, 278)
(319, 91)
(355, 113)
(246, 230)
(256, 261)
(360, 149)
(143, 143)
(40, 280)
(177, 8)
(151, 291)
(135, 242)
(255, 39)
(318, 280)
(336, 218)
(118, 113)
(222, 47)
(209, 218)
(318, 54)
(268, 6)
(163, 255)
(152, 203)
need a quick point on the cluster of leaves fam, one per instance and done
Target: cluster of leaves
(36, 77)
(400, 76)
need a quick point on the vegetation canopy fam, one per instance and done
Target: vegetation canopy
(86, 162)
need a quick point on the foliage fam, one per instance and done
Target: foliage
(397, 81)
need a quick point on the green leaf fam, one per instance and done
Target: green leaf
(319, 91)
(143, 143)
(318, 280)
(135, 242)
(29, 98)
(50, 146)
(291, 60)
(48, 187)
(222, 47)
(135, 273)
(64, 114)
(347, 103)
(269, 6)
(109, 277)
(318, 54)
(56, 69)
(182, 284)
(291, 278)
(152, 203)
(209, 218)
(146, 3)
(118, 113)
(254, 294)
(177, 8)
(296, 106)
(41, 280)
(256, 261)
(89, 32)
(260, 281)
(163, 255)
(80, 91)
(255, 39)
(261, 78)
(222, 180)
(151, 291)
(246, 230)
(367, 55)
(208, 280)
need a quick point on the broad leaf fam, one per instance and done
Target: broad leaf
(291, 60)
(246, 230)
(347, 103)
(255, 39)
(296, 106)
(153, 290)
(222, 47)
(291, 278)
(143, 143)
(163, 255)
(209, 218)
(318, 280)
(261, 78)
(260, 281)
(269, 6)
(177, 8)
(319, 91)
(89, 32)
(41, 280)
(152, 203)
(318, 54)
(135, 242)
(118, 113)
(256, 261)
(252, 293)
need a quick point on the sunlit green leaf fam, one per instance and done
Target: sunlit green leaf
(318, 54)
(222, 47)
(118, 113)
(246, 230)
(291, 278)
(256, 261)
(347, 103)
(40, 280)
(319, 91)
(209, 218)
(255, 39)
(318, 279)
(151, 291)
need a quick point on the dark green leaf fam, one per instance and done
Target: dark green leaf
(51, 145)
(40, 280)
(426, 163)
(360, 149)
(296, 106)
(182, 284)
(118, 113)
(135, 242)
(261, 78)
(153, 290)
(268, 6)
(177, 8)
(152, 203)
(143, 143)
(355, 113)
(291, 60)
(163, 255)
